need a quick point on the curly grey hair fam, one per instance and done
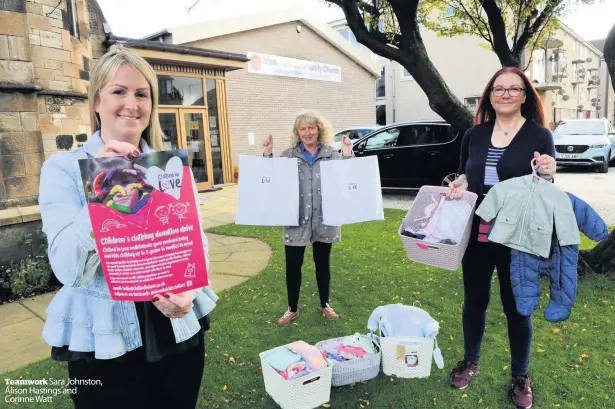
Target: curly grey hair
(324, 127)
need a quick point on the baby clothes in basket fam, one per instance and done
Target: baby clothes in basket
(295, 359)
(398, 320)
(348, 348)
(446, 225)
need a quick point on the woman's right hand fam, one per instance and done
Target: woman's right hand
(268, 145)
(457, 187)
(117, 148)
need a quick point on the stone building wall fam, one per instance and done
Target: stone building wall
(44, 77)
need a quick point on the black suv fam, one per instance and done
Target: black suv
(413, 154)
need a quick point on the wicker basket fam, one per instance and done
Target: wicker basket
(306, 392)
(355, 370)
(444, 256)
(406, 357)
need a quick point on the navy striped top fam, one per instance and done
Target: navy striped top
(491, 172)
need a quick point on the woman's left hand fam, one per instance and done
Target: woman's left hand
(175, 306)
(346, 146)
(546, 165)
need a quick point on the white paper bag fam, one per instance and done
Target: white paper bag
(268, 191)
(351, 191)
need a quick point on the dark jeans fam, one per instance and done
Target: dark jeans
(294, 261)
(478, 265)
(133, 383)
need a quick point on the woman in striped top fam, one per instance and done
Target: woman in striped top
(509, 133)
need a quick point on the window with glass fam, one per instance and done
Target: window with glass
(380, 85)
(71, 14)
(177, 90)
(384, 139)
(214, 130)
(538, 65)
(471, 103)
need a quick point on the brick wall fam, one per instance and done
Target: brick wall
(264, 104)
(38, 50)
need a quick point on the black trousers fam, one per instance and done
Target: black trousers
(478, 265)
(131, 382)
(294, 262)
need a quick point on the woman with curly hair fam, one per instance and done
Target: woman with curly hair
(311, 136)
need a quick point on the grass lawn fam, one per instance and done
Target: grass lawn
(573, 363)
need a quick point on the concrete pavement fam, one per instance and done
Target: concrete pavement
(233, 260)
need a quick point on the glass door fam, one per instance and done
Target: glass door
(195, 139)
(169, 123)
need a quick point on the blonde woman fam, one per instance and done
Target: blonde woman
(120, 354)
(310, 144)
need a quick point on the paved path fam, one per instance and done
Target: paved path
(233, 260)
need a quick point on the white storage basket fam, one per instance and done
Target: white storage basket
(407, 357)
(444, 256)
(306, 392)
(355, 370)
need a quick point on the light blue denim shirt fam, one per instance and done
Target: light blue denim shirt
(82, 314)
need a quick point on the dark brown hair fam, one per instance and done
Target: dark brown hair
(531, 109)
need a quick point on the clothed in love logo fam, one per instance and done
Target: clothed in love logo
(169, 180)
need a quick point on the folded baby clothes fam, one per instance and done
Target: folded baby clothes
(359, 341)
(281, 358)
(312, 356)
(295, 370)
(351, 352)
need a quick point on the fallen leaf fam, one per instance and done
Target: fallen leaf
(582, 398)
(225, 388)
(465, 395)
(505, 367)
(326, 405)
(480, 401)
(554, 330)
(540, 350)
(584, 356)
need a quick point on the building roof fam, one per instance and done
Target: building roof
(599, 44)
(216, 28)
(569, 31)
(173, 48)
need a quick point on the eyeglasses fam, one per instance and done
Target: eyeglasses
(513, 92)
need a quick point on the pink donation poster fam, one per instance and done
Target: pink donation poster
(145, 223)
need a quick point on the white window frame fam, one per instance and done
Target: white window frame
(472, 97)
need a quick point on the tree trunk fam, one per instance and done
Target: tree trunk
(600, 259)
(441, 99)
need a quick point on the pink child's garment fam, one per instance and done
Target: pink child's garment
(350, 351)
(312, 356)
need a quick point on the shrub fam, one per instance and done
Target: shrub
(30, 276)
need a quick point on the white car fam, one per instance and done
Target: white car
(353, 133)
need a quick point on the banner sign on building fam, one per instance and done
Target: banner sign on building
(290, 67)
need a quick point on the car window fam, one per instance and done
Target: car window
(579, 128)
(386, 138)
(425, 135)
(338, 136)
(362, 132)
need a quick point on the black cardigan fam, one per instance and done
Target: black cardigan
(514, 162)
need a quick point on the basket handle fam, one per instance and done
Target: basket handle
(311, 380)
(437, 355)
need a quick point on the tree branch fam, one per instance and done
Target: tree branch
(540, 21)
(518, 22)
(374, 40)
(498, 30)
(477, 21)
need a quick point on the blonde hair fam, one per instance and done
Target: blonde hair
(103, 72)
(324, 127)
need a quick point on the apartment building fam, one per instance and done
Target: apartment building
(565, 69)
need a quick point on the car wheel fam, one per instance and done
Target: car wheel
(448, 179)
(604, 168)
